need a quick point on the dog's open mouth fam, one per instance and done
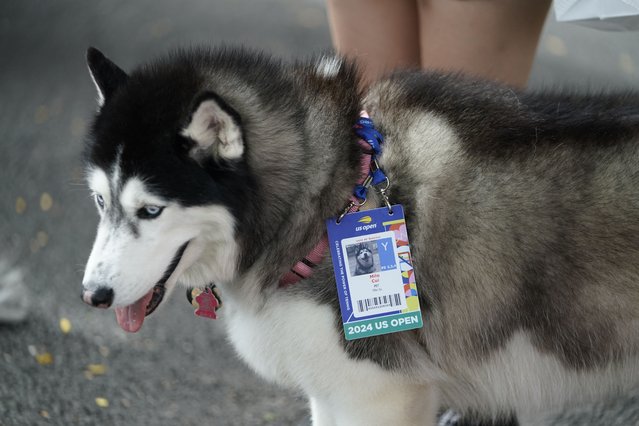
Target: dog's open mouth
(131, 317)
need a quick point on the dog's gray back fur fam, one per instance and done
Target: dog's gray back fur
(528, 216)
(523, 213)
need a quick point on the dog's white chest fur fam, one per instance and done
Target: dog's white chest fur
(295, 342)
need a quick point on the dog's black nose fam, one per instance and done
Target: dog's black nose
(101, 298)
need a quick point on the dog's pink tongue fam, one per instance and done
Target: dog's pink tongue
(132, 316)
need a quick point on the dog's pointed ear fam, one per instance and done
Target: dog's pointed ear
(106, 75)
(216, 129)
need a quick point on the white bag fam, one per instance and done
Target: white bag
(611, 15)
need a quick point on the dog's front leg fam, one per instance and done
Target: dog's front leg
(393, 405)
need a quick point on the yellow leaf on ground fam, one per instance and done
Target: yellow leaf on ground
(102, 402)
(97, 369)
(44, 358)
(46, 201)
(65, 325)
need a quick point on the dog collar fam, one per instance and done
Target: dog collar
(370, 174)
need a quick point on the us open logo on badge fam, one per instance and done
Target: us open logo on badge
(374, 273)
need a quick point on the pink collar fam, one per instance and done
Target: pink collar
(304, 267)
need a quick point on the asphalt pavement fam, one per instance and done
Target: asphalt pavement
(68, 364)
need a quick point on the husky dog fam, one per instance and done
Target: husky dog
(523, 212)
(364, 260)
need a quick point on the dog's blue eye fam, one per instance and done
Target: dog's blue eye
(99, 200)
(150, 212)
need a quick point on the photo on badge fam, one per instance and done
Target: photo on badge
(374, 279)
(363, 258)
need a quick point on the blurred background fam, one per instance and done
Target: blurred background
(68, 364)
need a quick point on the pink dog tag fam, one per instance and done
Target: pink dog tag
(206, 304)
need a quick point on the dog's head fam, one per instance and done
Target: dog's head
(195, 162)
(364, 256)
(165, 164)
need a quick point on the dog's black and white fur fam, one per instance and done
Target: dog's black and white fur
(523, 212)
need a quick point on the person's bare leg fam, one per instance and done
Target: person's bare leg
(381, 35)
(494, 39)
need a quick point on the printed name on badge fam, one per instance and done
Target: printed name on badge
(374, 273)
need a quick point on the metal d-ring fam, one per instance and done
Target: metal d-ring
(359, 203)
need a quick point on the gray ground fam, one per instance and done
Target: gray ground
(179, 369)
